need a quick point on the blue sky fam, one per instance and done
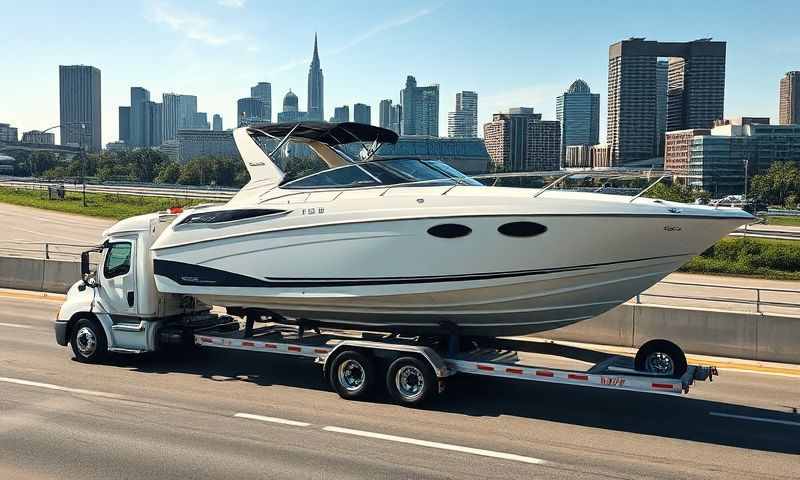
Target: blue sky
(513, 53)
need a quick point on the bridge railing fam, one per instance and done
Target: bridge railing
(725, 297)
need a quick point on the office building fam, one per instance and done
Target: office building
(194, 143)
(695, 92)
(217, 122)
(179, 111)
(420, 109)
(578, 110)
(117, 146)
(741, 121)
(8, 133)
(463, 122)
(678, 149)
(263, 92)
(79, 106)
(662, 76)
(789, 99)
(153, 127)
(35, 136)
(578, 156)
(316, 88)
(520, 141)
(385, 114)
(250, 110)
(291, 109)
(124, 124)
(717, 160)
(397, 118)
(341, 114)
(362, 113)
(139, 96)
(200, 121)
(468, 155)
(600, 156)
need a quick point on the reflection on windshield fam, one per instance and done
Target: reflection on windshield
(386, 172)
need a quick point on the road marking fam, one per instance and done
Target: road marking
(440, 446)
(49, 386)
(283, 421)
(14, 325)
(26, 295)
(755, 419)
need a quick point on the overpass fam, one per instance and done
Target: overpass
(37, 147)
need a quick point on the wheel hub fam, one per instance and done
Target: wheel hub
(660, 363)
(410, 382)
(351, 375)
(86, 341)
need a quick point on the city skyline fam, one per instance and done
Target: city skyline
(216, 53)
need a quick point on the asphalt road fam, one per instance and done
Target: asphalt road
(173, 416)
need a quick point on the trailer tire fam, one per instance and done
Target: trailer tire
(88, 341)
(661, 357)
(352, 375)
(410, 381)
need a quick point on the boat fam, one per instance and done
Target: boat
(414, 246)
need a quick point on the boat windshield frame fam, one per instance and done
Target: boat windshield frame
(369, 178)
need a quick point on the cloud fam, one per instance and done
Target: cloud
(388, 25)
(232, 3)
(193, 27)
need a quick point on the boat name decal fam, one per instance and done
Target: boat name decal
(313, 211)
(672, 228)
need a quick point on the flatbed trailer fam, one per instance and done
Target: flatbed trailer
(416, 368)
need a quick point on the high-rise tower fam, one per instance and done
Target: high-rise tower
(316, 100)
(789, 100)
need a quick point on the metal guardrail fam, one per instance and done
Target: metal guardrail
(44, 250)
(758, 300)
(123, 189)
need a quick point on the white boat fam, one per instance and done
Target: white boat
(405, 245)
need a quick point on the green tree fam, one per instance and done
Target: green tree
(168, 172)
(777, 185)
(40, 162)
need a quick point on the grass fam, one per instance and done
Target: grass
(787, 221)
(751, 257)
(97, 204)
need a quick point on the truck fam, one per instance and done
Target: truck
(115, 308)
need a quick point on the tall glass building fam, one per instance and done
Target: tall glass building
(578, 110)
(79, 106)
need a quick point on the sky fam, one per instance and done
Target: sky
(513, 53)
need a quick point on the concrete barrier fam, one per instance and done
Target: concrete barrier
(59, 275)
(21, 273)
(778, 339)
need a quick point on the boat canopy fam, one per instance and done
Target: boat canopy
(324, 132)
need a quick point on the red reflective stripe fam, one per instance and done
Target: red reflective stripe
(514, 370)
(294, 349)
(573, 376)
(542, 373)
(485, 367)
(270, 345)
(663, 385)
(248, 344)
(320, 350)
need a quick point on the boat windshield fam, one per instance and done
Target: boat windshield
(385, 172)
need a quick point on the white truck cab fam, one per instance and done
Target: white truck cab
(120, 297)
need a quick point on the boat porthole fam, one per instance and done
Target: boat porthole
(522, 229)
(450, 230)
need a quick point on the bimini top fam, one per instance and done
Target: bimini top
(324, 132)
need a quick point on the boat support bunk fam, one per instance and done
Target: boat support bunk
(415, 368)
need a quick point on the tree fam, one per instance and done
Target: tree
(40, 161)
(778, 184)
(674, 193)
(169, 172)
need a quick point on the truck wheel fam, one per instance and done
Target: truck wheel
(661, 357)
(88, 341)
(352, 375)
(410, 381)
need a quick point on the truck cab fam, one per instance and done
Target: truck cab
(116, 306)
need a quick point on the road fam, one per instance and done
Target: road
(173, 416)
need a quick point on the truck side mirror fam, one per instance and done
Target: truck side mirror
(85, 264)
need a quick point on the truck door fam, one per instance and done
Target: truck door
(118, 279)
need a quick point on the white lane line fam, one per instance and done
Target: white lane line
(14, 325)
(755, 419)
(49, 386)
(441, 446)
(283, 421)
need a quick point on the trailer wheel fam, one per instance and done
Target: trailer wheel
(352, 374)
(410, 381)
(661, 357)
(88, 341)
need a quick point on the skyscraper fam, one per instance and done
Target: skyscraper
(420, 109)
(250, 110)
(79, 106)
(178, 112)
(291, 109)
(789, 100)
(316, 98)
(397, 118)
(341, 114)
(695, 97)
(521, 141)
(463, 122)
(662, 75)
(362, 113)
(385, 114)
(152, 124)
(578, 110)
(139, 96)
(125, 124)
(217, 122)
(263, 92)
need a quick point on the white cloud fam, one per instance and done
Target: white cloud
(193, 27)
(232, 3)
